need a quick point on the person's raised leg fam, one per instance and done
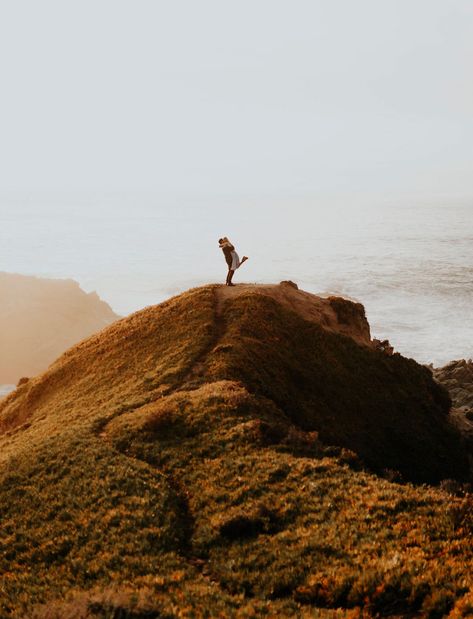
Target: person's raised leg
(244, 259)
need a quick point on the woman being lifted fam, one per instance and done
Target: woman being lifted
(231, 257)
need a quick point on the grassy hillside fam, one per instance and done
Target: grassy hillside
(198, 459)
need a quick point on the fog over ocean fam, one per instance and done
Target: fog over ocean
(411, 265)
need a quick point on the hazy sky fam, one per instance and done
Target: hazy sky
(243, 97)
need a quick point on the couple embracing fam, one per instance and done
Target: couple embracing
(232, 259)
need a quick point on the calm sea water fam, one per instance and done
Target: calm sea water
(411, 266)
(5, 389)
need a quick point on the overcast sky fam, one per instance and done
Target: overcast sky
(236, 98)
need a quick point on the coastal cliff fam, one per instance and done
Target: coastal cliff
(40, 318)
(233, 452)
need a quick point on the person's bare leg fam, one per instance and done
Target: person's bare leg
(244, 259)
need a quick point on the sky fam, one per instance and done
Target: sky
(105, 99)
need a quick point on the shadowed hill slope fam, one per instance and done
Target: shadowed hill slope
(40, 319)
(180, 460)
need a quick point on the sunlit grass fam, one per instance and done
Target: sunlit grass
(185, 463)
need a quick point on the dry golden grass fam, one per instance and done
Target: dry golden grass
(173, 466)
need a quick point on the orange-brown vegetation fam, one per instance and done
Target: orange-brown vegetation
(225, 454)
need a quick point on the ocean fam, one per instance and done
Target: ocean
(5, 389)
(411, 266)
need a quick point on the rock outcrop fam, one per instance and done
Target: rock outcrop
(40, 319)
(457, 377)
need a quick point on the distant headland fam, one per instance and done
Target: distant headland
(40, 318)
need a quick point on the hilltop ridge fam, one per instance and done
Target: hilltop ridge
(230, 450)
(332, 313)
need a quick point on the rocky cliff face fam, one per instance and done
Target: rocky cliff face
(457, 377)
(40, 319)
